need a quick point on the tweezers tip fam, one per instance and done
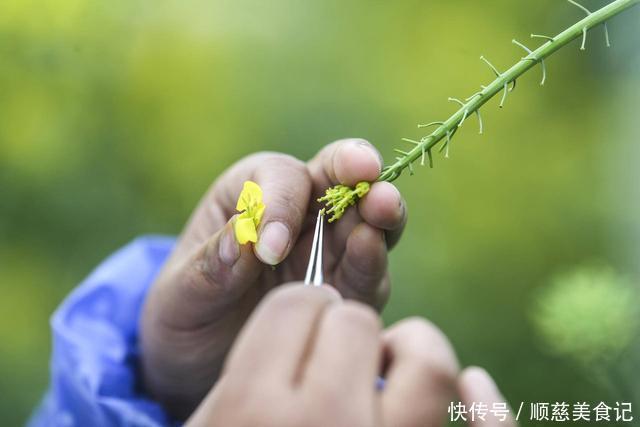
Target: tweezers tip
(315, 259)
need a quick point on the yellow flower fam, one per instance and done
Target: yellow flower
(252, 208)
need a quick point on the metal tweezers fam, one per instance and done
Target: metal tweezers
(314, 268)
(315, 258)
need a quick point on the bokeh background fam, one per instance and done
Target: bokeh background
(116, 115)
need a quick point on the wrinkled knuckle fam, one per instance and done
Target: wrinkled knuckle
(203, 268)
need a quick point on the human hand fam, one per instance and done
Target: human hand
(210, 284)
(306, 359)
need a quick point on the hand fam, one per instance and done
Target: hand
(306, 359)
(209, 286)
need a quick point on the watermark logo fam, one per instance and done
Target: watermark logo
(560, 412)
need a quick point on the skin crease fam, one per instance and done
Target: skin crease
(284, 370)
(210, 285)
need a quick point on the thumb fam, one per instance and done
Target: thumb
(195, 289)
(193, 293)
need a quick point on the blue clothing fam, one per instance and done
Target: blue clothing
(94, 372)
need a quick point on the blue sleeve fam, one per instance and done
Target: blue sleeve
(94, 373)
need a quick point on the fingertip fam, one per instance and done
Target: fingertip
(367, 243)
(273, 243)
(363, 265)
(383, 207)
(476, 385)
(475, 373)
(356, 160)
(477, 381)
(365, 259)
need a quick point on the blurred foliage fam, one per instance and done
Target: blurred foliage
(589, 314)
(115, 116)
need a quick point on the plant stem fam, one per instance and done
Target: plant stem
(501, 83)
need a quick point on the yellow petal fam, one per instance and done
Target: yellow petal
(257, 216)
(251, 194)
(245, 230)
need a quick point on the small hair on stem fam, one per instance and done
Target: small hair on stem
(479, 93)
(575, 3)
(533, 58)
(411, 141)
(464, 114)
(495, 70)
(585, 29)
(505, 83)
(466, 111)
(430, 124)
(541, 36)
(504, 95)
(445, 146)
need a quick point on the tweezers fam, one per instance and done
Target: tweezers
(314, 268)
(315, 257)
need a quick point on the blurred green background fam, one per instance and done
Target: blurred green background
(115, 117)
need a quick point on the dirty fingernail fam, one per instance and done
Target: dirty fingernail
(272, 243)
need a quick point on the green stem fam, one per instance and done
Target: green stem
(501, 83)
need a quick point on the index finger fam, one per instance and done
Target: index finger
(273, 343)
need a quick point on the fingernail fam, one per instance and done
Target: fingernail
(229, 249)
(366, 146)
(273, 242)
